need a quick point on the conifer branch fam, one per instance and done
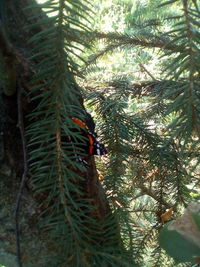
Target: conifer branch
(192, 53)
(124, 39)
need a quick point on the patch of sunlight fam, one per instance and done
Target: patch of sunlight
(49, 12)
(40, 2)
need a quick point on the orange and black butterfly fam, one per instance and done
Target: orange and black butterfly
(94, 147)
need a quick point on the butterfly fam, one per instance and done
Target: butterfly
(94, 147)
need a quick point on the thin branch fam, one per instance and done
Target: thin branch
(146, 70)
(147, 191)
(22, 183)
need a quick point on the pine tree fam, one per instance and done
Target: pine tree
(150, 128)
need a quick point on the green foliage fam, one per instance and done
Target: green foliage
(143, 174)
(184, 65)
(122, 49)
(151, 128)
(181, 53)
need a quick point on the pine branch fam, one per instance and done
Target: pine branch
(116, 40)
(192, 70)
(135, 41)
